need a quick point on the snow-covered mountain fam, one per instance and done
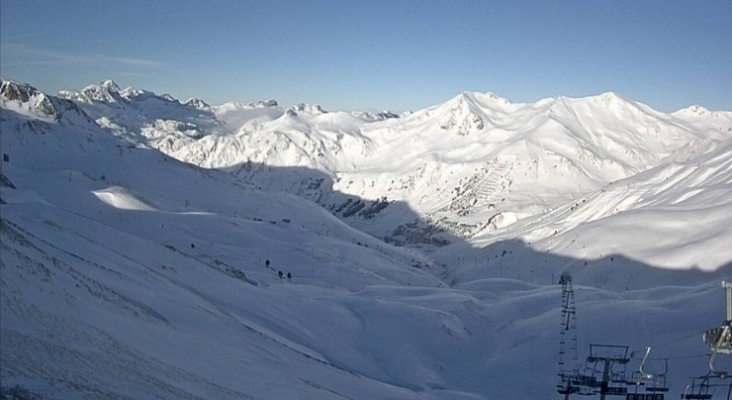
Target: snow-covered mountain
(475, 164)
(25, 100)
(142, 241)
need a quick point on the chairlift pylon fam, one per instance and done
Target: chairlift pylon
(720, 339)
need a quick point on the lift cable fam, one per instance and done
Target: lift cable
(695, 334)
(640, 357)
(680, 339)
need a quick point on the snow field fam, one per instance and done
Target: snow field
(128, 274)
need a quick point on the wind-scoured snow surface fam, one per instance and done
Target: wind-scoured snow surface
(142, 240)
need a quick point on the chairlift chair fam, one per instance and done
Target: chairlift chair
(657, 385)
(645, 396)
(645, 385)
(719, 339)
(568, 383)
(698, 389)
(655, 381)
(644, 389)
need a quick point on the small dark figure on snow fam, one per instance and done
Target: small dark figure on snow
(193, 246)
(266, 262)
(279, 273)
(289, 276)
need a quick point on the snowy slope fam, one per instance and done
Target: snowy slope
(128, 274)
(674, 216)
(475, 164)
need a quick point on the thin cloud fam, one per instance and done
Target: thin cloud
(33, 35)
(50, 39)
(40, 56)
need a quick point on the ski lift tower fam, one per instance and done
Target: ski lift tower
(720, 339)
(569, 383)
(568, 324)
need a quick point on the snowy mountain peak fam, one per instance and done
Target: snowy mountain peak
(235, 105)
(386, 114)
(714, 124)
(168, 97)
(485, 101)
(267, 103)
(313, 109)
(698, 110)
(461, 115)
(463, 98)
(104, 91)
(14, 91)
(24, 98)
(494, 96)
(27, 100)
(109, 85)
(489, 98)
(378, 116)
(612, 98)
(197, 103)
(131, 93)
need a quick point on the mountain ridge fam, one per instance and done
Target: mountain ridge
(494, 154)
(127, 273)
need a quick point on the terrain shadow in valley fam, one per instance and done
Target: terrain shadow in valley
(516, 259)
(397, 223)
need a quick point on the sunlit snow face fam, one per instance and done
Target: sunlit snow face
(331, 254)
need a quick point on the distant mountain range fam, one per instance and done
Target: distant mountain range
(159, 249)
(477, 166)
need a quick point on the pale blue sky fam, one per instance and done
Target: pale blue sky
(385, 54)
